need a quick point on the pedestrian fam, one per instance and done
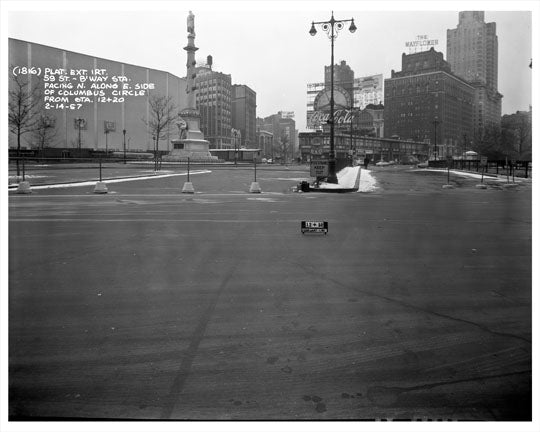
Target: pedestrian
(366, 162)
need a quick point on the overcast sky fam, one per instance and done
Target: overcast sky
(267, 45)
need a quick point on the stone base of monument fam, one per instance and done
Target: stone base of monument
(196, 150)
(101, 188)
(24, 188)
(193, 157)
(188, 188)
(255, 188)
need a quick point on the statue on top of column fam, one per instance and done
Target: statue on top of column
(191, 23)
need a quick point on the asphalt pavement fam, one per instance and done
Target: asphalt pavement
(146, 303)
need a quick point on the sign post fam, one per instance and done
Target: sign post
(319, 169)
(483, 163)
(320, 227)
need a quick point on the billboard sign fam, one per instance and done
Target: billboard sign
(317, 118)
(287, 114)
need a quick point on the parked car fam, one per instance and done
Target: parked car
(383, 163)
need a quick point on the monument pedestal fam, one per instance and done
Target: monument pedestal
(191, 143)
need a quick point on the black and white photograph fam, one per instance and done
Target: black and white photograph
(291, 214)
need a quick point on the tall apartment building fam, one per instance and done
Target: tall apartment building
(213, 99)
(472, 52)
(244, 114)
(426, 102)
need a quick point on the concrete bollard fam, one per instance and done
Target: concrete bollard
(101, 188)
(255, 188)
(188, 188)
(24, 188)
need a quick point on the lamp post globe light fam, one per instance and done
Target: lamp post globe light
(332, 28)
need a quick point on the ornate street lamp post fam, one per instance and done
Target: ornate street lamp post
(332, 28)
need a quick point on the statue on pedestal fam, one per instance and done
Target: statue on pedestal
(191, 143)
(191, 24)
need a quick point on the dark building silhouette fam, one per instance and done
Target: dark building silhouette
(426, 102)
(343, 77)
(244, 114)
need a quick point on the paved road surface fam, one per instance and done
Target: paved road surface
(148, 304)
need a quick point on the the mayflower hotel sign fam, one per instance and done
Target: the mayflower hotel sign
(421, 43)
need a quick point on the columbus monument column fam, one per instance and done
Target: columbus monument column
(191, 143)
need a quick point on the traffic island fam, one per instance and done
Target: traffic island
(348, 181)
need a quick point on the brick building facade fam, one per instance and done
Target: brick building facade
(426, 102)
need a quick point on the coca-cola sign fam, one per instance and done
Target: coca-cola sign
(318, 118)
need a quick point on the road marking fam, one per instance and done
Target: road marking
(196, 338)
(155, 220)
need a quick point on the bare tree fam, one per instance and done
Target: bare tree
(163, 112)
(44, 132)
(23, 108)
(523, 133)
(495, 143)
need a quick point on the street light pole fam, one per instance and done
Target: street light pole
(435, 123)
(124, 132)
(351, 116)
(332, 28)
(155, 152)
(79, 121)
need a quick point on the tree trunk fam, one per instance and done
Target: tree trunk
(18, 150)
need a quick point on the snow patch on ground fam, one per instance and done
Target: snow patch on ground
(348, 178)
(500, 178)
(121, 180)
(367, 182)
